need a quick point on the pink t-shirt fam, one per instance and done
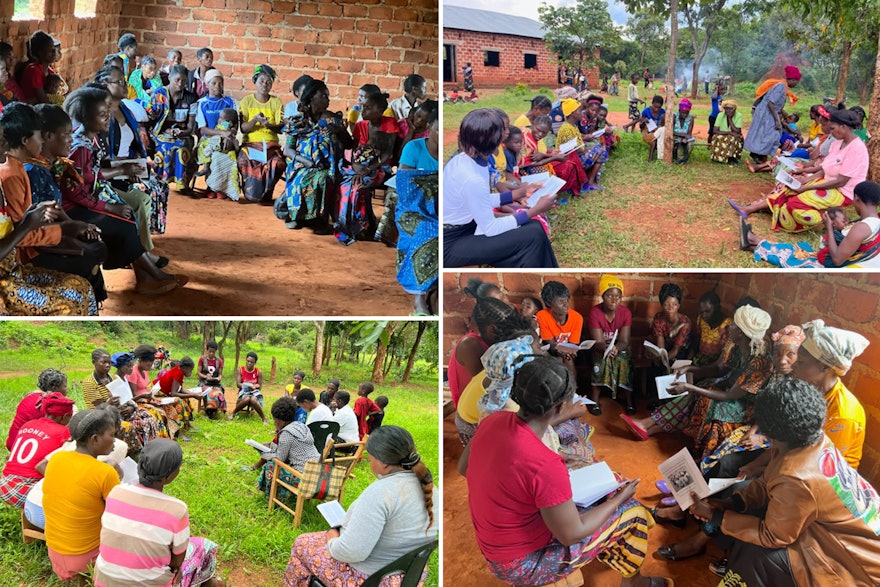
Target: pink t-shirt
(456, 374)
(34, 441)
(140, 379)
(511, 476)
(851, 161)
(596, 319)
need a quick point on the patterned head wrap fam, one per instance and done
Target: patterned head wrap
(608, 281)
(753, 322)
(792, 72)
(56, 405)
(501, 360)
(791, 335)
(831, 346)
(726, 103)
(569, 105)
(685, 105)
(264, 70)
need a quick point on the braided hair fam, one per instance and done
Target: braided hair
(477, 288)
(541, 385)
(489, 312)
(513, 327)
(51, 380)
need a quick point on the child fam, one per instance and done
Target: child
(791, 126)
(454, 96)
(839, 223)
(291, 109)
(354, 113)
(530, 306)
(210, 373)
(364, 406)
(633, 98)
(223, 176)
(296, 387)
(195, 81)
(375, 420)
(512, 149)
(326, 396)
(145, 80)
(174, 58)
(53, 85)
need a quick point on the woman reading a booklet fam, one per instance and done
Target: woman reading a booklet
(294, 445)
(520, 495)
(610, 323)
(394, 515)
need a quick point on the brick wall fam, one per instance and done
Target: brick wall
(846, 300)
(347, 43)
(85, 42)
(469, 46)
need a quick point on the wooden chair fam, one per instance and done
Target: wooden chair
(412, 565)
(29, 532)
(346, 458)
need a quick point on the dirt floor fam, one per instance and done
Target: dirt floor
(241, 260)
(464, 566)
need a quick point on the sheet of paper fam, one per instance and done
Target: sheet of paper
(164, 401)
(129, 471)
(716, 485)
(787, 162)
(573, 348)
(785, 178)
(582, 399)
(568, 146)
(198, 390)
(257, 155)
(142, 162)
(121, 389)
(610, 346)
(333, 512)
(257, 445)
(536, 177)
(682, 477)
(592, 483)
(598, 133)
(550, 186)
(651, 125)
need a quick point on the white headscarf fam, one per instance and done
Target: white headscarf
(753, 322)
(831, 346)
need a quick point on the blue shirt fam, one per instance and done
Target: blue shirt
(650, 115)
(716, 104)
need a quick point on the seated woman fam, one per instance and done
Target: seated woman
(539, 106)
(809, 505)
(711, 331)
(173, 108)
(683, 132)
(33, 442)
(294, 445)
(857, 243)
(145, 80)
(250, 383)
(141, 387)
(592, 154)
(727, 137)
(371, 537)
(559, 324)
(527, 525)
(472, 235)
(536, 156)
(609, 323)
(145, 536)
(87, 196)
(796, 210)
(261, 120)
(49, 380)
(653, 116)
(217, 148)
(179, 414)
(74, 494)
(671, 329)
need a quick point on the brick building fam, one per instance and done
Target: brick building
(347, 43)
(502, 49)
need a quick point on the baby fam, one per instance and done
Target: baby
(839, 223)
(791, 126)
(53, 87)
(223, 178)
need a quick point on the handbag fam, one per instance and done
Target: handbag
(321, 480)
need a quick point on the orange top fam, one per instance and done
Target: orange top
(16, 188)
(570, 331)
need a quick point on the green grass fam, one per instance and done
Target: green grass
(224, 503)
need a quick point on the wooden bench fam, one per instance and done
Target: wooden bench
(29, 532)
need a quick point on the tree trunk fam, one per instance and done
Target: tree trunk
(227, 326)
(844, 71)
(328, 348)
(340, 348)
(274, 371)
(241, 336)
(874, 123)
(183, 330)
(318, 357)
(378, 376)
(208, 332)
(670, 81)
(412, 352)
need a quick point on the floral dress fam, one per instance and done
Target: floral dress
(311, 187)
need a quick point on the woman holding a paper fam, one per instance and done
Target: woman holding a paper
(536, 156)
(294, 445)
(592, 155)
(610, 323)
(520, 495)
(174, 110)
(175, 399)
(260, 160)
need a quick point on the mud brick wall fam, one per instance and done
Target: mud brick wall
(85, 41)
(845, 300)
(347, 43)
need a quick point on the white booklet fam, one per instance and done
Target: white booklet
(582, 399)
(121, 389)
(129, 471)
(550, 185)
(592, 483)
(333, 512)
(657, 352)
(164, 401)
(598, 133)
(257, 445)
(651, 125)
(610, 346)
(573, 348)
(682, 477)
(258, 155)
(787, 162)
(568, 146)
(716, 485)
(142, 163)
(664, 381)
(785, 178)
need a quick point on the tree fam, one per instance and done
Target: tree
(649, 32)
(573, 32)
(318, 356)
(701, 17)
(413, 351)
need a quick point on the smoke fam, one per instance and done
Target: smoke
(711, 65)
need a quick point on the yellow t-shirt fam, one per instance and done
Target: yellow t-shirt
(74, 491)
(468, 407)
(273, 109)
(815, 130)
(522, 122)
(845, 423)
(501, 161)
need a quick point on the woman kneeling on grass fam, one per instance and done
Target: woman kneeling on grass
(527, 525)
(393, 516)
(145, 533)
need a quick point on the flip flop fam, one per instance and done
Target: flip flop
(744, 229)
(156, 287)
(662, 487)
(668, 502)
(736, 208)
(637, 430)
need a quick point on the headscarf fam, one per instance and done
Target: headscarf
(833, 347)
(264, 70)
(120, 359)
(568, 106)
(685, 105)
(501, 360)
(608, 281)
(159, 458)
(212, 73)
(792, 72)
(845, 117)
(753, 322)
(791, 335)
(825, 112)
(726, 103)
(56, 405)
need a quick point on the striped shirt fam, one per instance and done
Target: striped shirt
(140, 530)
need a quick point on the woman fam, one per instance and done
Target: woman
(858, 243)
(294, 446)
(527, 525)
(536, 157)
(249, 380)
(540, 106)
(224, 177)
(31, 75)
(74, 494)
(179, 412)
(472, 234)
(671, 328)
(86, 196)
(711, 330)
(314, 145)
(145, 533)
(261, 120)
(49, 381)
(146, 80)
(33, 442)
(210, 374)
(656, 115)
(372, 537)
(128, 47)
(765, 130)
(592, 155)
(139, 426)
(174, 110)
(726, 144)
(682, 132)
(609, 323)
(799, 209)
(809, 519)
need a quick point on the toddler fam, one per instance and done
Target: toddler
(375, 419)
(364, 407)
(223, 177)
(839, 223)
(53, 87)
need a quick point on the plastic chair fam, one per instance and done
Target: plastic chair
(321, 431)
(412, 565)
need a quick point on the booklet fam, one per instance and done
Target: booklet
(258, 155)
(333, 512)
(682, 477)
(582, 399)
(551, 184)
(610, 346)
(568, 146)
(664, 381)
(787, 162)
(656, 351)
(785, 178)
(598, 133)
(164, 401)
(716, 485)
(121, 389)
(142, 163)
(651, 125)
(573, 348)
(257, 445)
(129, 471)
(591, 483)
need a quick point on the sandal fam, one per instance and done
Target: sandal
(670, 548)
(736, 208)
(744, 229)
(662, 487)
(595, 409)
(156, 287)
(668, 552)
(719, 567)
(639, 432)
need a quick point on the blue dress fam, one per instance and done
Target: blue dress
(763, 138)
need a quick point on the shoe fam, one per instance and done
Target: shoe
(736, 208)
(639, 432)
(744, 229)
(181, 279)
(156, 287)
(595, 409)
(668, 502)
(678, 524)
(162, 262)
(293, 225)
(630, 409)
(668, 552)
(662, 487)
(719, 567)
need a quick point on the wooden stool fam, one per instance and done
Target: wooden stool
(29, 532)
(576, 579)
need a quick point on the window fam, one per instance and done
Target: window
(85, 8)
(491, 59)
(530, 61)
(29, 10)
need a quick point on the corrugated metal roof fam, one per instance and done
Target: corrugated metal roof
(483, 21)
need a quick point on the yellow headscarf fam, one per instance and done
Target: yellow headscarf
(608, 281)
(569, 105)
(726, 103)
(765, 87)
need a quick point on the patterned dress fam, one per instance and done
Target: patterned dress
(137, 430)
(418, 253)
(174, 155)
(310, 189)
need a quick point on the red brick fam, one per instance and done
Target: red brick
(190, 28)
(303, 63)
(381, 13)
(284, 7)
(361, 52)
(355, 10)
(177, 14)
(296, 21)
(342, 24)
(271, 18)
(202, 14)
(168, 26)
(308, 8)
(367, 26)
(226, 16)
(338, 78)
(522, 283)
(857, 305)
(376, 68)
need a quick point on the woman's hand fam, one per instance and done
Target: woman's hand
(626, 491)
(751, 470)
(133, 170)
(752, 440)
(261, 119)
(331, 534)
(120, 210)
(543, 204)
(524, 191)
(113, 401)
(40, 215)
(701, 509)
(678, 387)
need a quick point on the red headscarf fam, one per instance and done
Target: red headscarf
(56, 405)
(792, 72)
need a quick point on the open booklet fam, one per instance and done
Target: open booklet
(785, 178)
(121, 389)
(550, 184)
(683, 477)
(573, 348)
(591, 483)
(142, 163)
(568, 146)
(258, 155)
(257, 445)
(664, 381)
(333, 512)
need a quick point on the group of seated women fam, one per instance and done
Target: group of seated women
(770, 410)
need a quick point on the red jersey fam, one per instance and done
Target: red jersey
(35, 440)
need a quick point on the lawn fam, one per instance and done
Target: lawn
(650, 215)
(224, 504)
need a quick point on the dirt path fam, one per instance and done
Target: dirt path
(241, 260)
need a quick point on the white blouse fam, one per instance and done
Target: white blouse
(467, 197)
